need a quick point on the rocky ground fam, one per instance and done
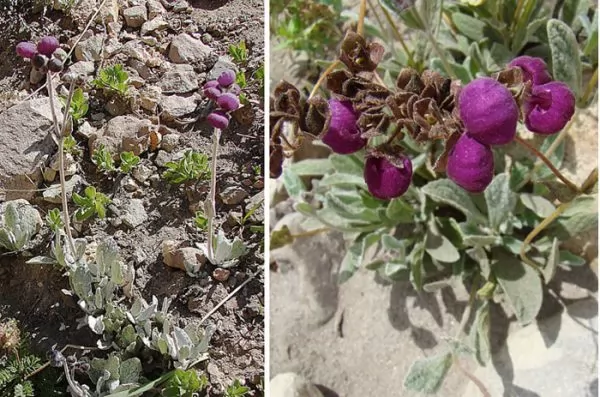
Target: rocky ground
(169, 48)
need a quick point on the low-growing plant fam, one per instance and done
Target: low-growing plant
(79, 104)
(54, 220)
(20, 222)
(239, 52)
(128, 162)
(16, 363)
(103, 159)
(113, 78)
(200, 220)
(192, 167)
(71, 147)
(240, 79)
(184, 384)
(236, 389)
(92, 203)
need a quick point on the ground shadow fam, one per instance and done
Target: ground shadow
(327, 392)
(208, 5)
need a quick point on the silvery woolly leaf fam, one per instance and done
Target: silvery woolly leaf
(183, 353)
(205, 337)
(136, 308)
(162, 346)
(130, 371)
(112, 385)
(106, 255)
(98, 300)
(101, 380)
(181, 337)
(81, 282)
(6, 239)
(96, 324)
(146, 314)
(40, 260)
(172, 348)
(80, 246)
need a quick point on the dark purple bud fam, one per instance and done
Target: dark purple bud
(534, 69)
(235, 89)
(470, 164)
(211, 84)
(488, 111)
(47, 45)
(549, 107)
(212, 93)
(218, 119)
(55, 65)
(386, 180)
(228, 102)
(343, 135)
(226, 78)
(39, 61)
(26, 49)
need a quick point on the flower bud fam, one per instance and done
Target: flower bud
(218, 119)
(226, 78)
(55, 65)
(39, 61)
(470, 164)
(26, 49)
(212, 93)
(549, 107)
(47, 45)
(235, 89)
(211, 84)
(386, 180)
(534, 69)
(228, 102)
(343, 135)
(488, 111)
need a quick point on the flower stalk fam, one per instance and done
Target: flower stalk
(209, 204)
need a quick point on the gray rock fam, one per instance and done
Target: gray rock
(186, 49)
(141, 173)
(176, 106)
(117, 134)
(53, 193)
(556, 357)
(149, 97)
(292, 385)
(169, 142)
(83, 68)
(135, 16)
(180, 80)
(153, 25)
(90, 49)
(25, 144)
(155, 8)
(162, 158)
(222, 63)
(140, 67)
(184, 258)
(233, 195)
(134, 214)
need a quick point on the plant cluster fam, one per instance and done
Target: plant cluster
(45, 56)
(224, 92)
(114, 79)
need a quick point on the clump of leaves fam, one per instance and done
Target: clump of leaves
(128, 162)
(16, 364)
(113, 78)
(70, 146)
(192, 167)
(103, 159)
(54, 220)
(79, 104)
(90, 204)
(184, 383)
(239, 52)
(20, 222)
(200, 220)
(236, 389)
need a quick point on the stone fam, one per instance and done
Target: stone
(154, 25)
(233, 195)
(189, 259)
(134, 214)
(53, 193)
(81, 68)
(140, 67)
(118, 135)
(25, 144)
(149, 97)
(551, 358)
(221, 275)
(35, 76)
(174, 106)
(186, 49)
(162, 158)
(135, 50)
(155, 8)
(141, 173)
(169, 142)
(221, 65)
(117, 106)
(292, 385)
(135, 16)
(180, 80)
(90, 49)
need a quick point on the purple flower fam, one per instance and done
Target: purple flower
(212, 93)
(218, 119)
(26, 49)
(228, 102)
(488, 111)
(211, 84)
(386, 180)
(534, 69)
(470, 164)
(235, 89)
(343, 135)
(226, 78)
(549, 107)
(47, 45)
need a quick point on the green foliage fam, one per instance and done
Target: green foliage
(184, 383)
(54, 220)
(70, 145)
(426, 375)
(90, 204)
(240, 79)
(239, 52)
(16, 365)
(128, 162)
(20, 222)
(192, 167)
(79, 104)
(103, 159)
(200, 220)
(259, 75)
(236, 389)
(113, 78)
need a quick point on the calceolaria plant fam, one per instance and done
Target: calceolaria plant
(20, 222)
(425, 183)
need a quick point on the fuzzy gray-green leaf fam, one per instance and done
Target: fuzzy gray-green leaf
(500, 199)
(427, 375)
(566, 64)
(447, 192)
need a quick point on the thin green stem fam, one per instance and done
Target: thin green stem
(436, 48)
(323, 76)
(467, 313)
(210, 207)
(590, 87)
(360, 29)
(409, 54)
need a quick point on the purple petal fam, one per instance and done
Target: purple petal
(343, 136)
(228, 102)
(226, 78)
(218, 120)
(26, 49)
(470, 164)
(488, 111)
(534, 69)
(549, 108)
(386, 180)
(211, 84)
(47, 45)
(212, 93)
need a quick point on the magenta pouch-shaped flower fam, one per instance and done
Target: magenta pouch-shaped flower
(218, 119)
(534, 69)
(343, 135)
(386, 179)
(470, 164)
(228, 102)
(26, 49)
(47, 45)
(549, 108)
(226, 78)
(488, 111)
(212, 93)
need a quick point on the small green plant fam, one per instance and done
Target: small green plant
(92, 203)
(128, 162)
(20, 222)
(239, 52)
(17, 364)
(184, 384)
(54, 220)
(240, 79)
(113, 78)
(79, 104)
(103, 159)
(257, 170)
(70, 146)
(200, 220)
(236, 390)
(259, 75)
(193, 166)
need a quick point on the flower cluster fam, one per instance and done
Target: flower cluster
(224, 92)
(46, 55)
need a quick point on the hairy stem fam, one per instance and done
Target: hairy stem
(326, 73)
(360, 29)
(396, 31)
(467, 313)
(436, 48)
(60, 136)
(472, 378)
(548, 163)
(210, 203)
(589, 89)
